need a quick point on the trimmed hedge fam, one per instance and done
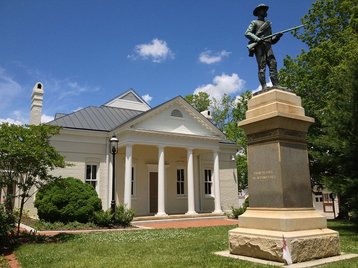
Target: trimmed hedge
(67, 200)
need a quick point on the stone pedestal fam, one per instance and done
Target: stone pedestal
(279, 185)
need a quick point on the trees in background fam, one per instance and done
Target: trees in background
(200, 101)
(326, 77)
(26, 159)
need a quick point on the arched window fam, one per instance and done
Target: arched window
(176, 113)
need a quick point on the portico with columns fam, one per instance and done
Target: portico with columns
(147, 175)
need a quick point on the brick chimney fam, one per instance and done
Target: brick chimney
(36, 104)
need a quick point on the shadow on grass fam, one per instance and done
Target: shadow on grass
(38, 239)
(343, 227)
(31, 238)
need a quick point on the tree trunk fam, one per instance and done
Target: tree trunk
(20, 214)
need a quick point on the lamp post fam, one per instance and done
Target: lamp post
(114, 149)
(333, 196)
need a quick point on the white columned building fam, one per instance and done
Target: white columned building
(156, 171)
(161, 182)
(217, 183)
(128, 176)
(190, 171)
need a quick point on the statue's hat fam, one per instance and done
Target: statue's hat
(260, 6)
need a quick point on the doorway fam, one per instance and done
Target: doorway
(153, 192)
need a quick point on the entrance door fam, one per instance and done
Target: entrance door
(153, 192)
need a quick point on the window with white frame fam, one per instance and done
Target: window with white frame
(180, 181)
(91, 174)
(208, 181)
(132, 183)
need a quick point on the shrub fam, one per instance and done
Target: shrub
(123, 216)
(67, 200)
(7, 224)
(236, 212)
(103, 218)
(246, 203)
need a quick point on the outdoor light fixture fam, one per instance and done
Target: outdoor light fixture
(114, 149)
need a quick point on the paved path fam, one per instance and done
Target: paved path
(186, 223)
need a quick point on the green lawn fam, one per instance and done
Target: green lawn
(152, 248)
(3, 262)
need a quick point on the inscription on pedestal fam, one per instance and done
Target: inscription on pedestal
(263, 175)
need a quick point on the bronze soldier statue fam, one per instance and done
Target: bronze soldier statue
(256, 33)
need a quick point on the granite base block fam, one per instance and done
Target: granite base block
(303, 245)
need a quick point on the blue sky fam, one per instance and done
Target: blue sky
(86, 52)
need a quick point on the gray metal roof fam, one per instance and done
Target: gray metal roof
(102, 118)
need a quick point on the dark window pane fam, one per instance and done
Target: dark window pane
(94, 172)
(88, 172)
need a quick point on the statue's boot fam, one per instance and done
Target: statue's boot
(274, 81)
(262, 80)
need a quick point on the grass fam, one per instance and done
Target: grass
(192, 247)
(3, 262)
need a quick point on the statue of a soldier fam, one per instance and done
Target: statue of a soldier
(257, 30)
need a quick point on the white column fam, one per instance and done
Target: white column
(128, 176)
(190, 171)
(161, 185)
(217, 183)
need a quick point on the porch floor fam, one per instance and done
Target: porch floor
(183, 221)
(178, 217)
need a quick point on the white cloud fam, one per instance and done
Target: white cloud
(147, 98)
(156, 51)
(222, 84)
(46, 118)
(16, 117)
(69, 88)
(210, 57)
(22, 120)
(10, 121)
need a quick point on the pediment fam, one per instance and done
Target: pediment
(177, 117)
(128, 100)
